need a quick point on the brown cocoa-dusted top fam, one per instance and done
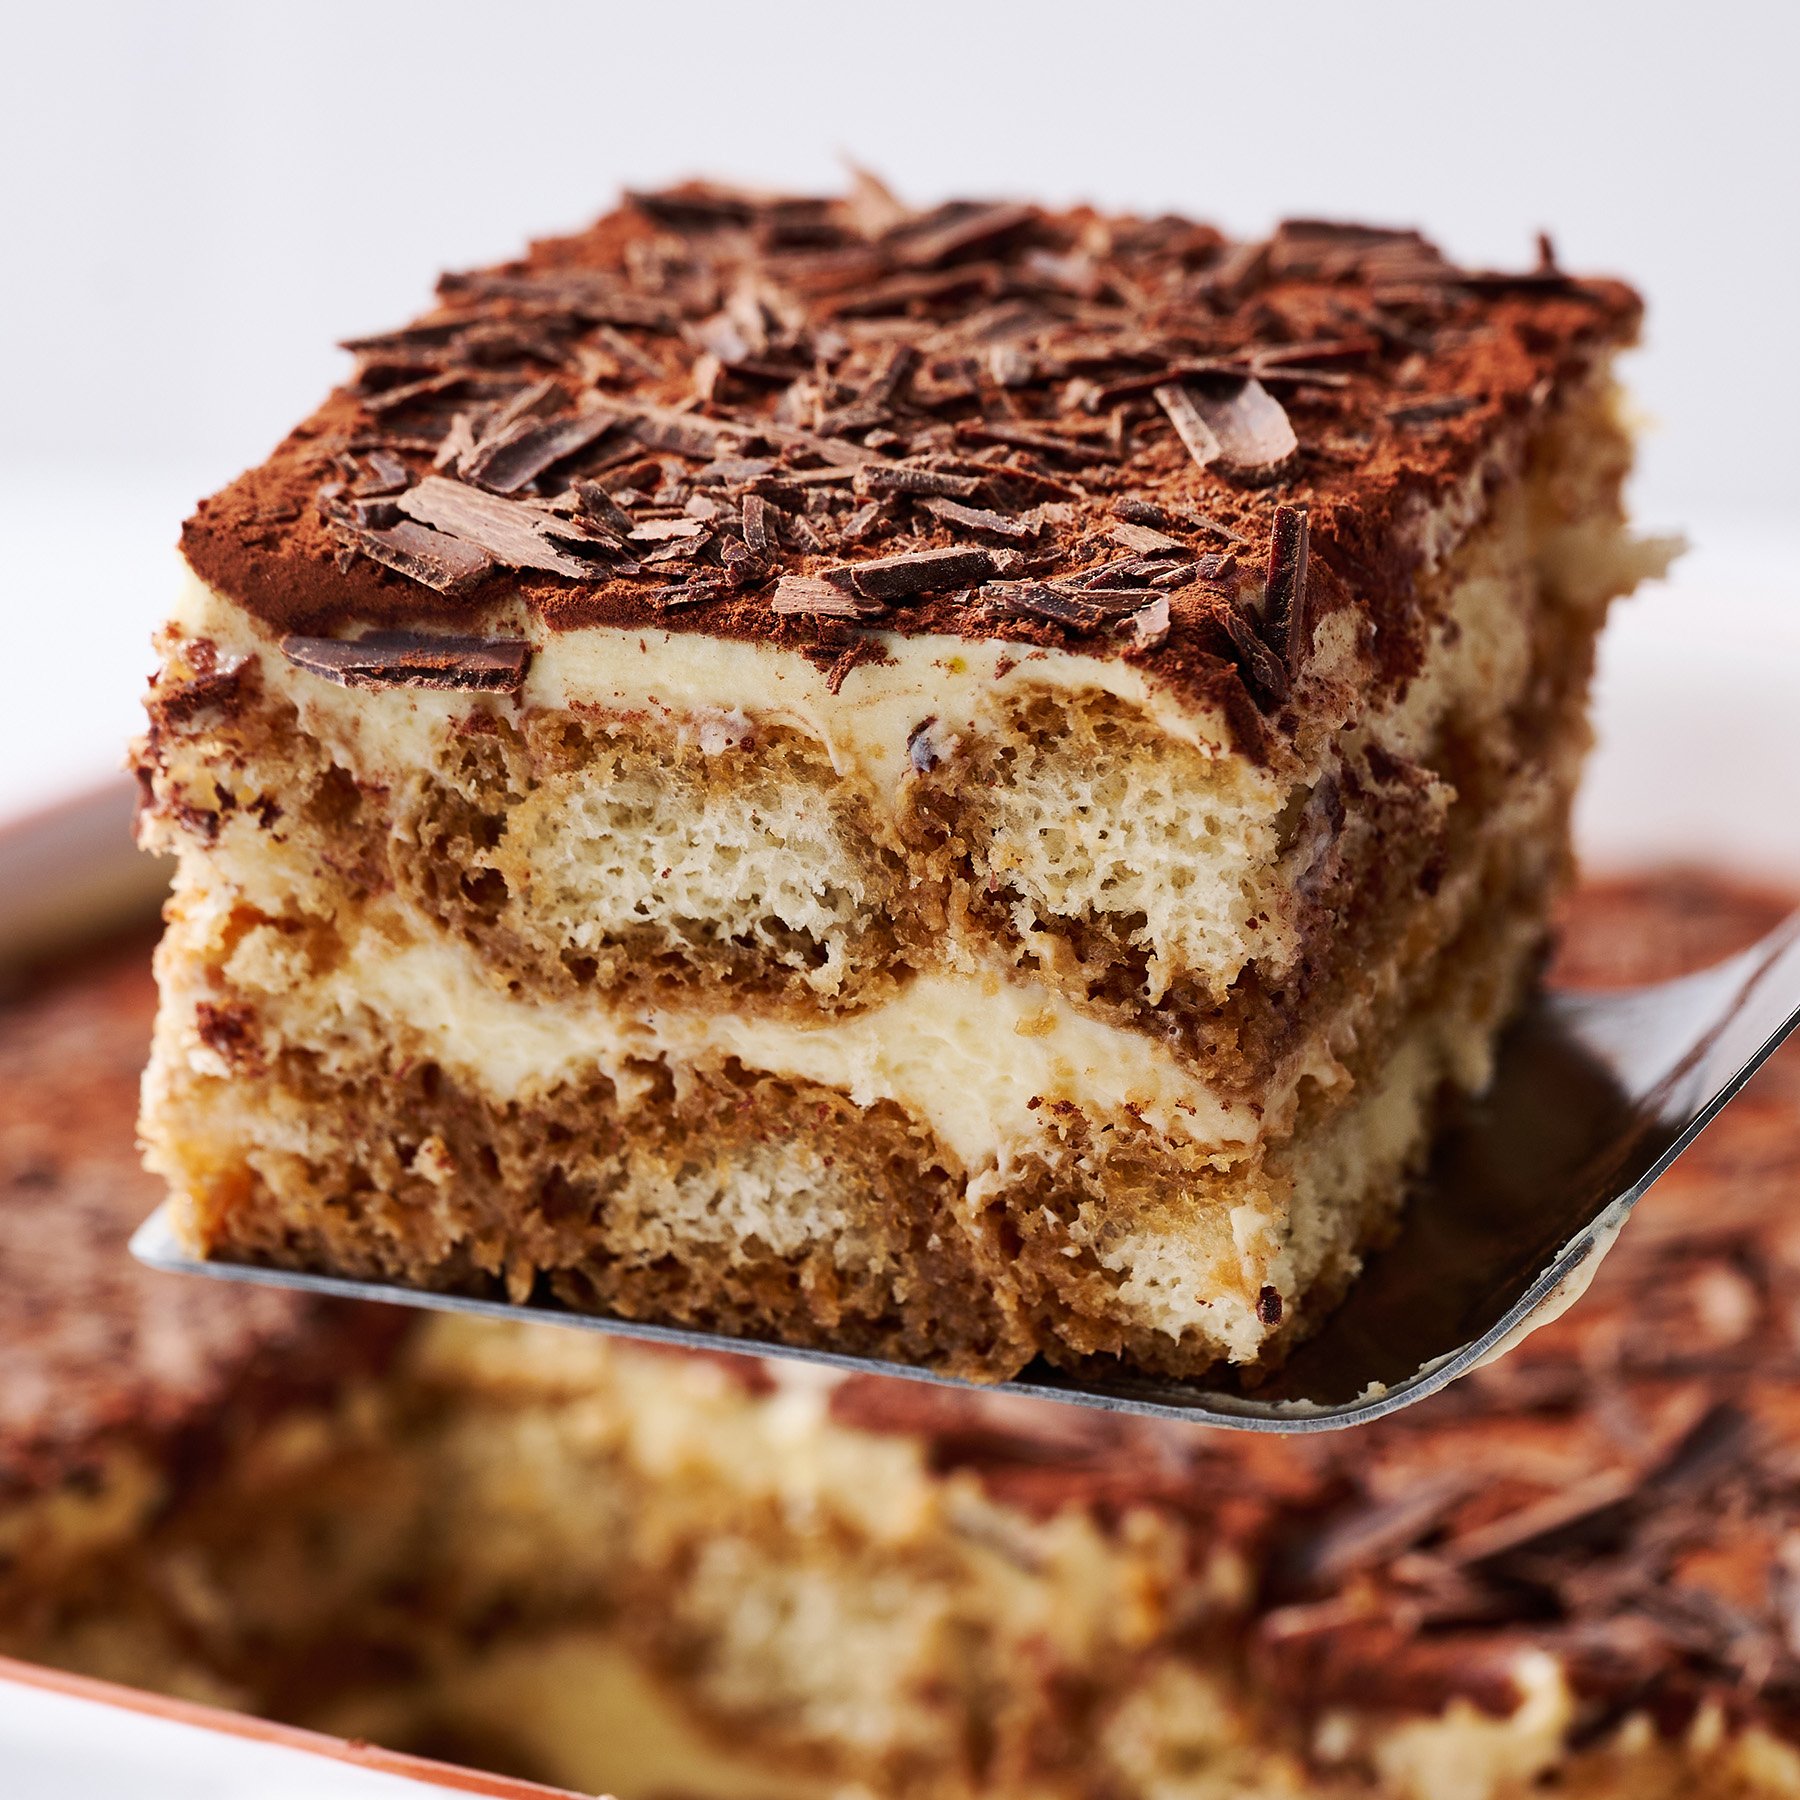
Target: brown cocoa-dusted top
(96, 1352)
(804, 419)
(1623, 1491)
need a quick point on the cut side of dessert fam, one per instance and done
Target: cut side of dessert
(953, 786)
(674, 1577)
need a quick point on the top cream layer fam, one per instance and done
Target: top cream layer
(713, 686)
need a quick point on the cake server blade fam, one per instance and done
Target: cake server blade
(1594, 1095)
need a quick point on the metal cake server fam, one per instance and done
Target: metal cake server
(1595, 1095)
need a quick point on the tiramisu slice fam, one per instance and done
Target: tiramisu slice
(950, 785)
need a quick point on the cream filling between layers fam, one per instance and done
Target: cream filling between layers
(712, 686)
(980, 1059)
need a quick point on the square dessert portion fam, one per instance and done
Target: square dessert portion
(957, 786)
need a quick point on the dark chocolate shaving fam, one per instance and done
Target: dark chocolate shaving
(808, 597)
(448, 565)
(541, 400)
(1025, 437)
(684, 593)
(1262, 670)
(394, 398)
(1059, 604)
(567, 523)
(1535, 1526)
(662, 531)
(415, 659)
(1145, 539)
(1239, 271)
(457, 442)
(524, 451)
(1236, 424)
(385, 474)
(922, 572)
(954, 229)
(1190, 424)
(1377, 1530)
(1125, 571)
(983, 522)
(862, 524)
(1147, 629)
(1497, 283)
(597, 504)
(1423, 412)
(901, 291)
(340, 509)
(695, 205)
(1286, 613)
(1138, 511)
(506, 530)
(586, 294)
(874, 211)
(909, 478)
(758, 533)
(684, 434)
(629, 358)
(889, 380)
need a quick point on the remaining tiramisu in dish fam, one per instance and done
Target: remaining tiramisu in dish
(948, 785)
(147, 1431)
(679, 1578)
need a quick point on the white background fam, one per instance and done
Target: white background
(197, 199)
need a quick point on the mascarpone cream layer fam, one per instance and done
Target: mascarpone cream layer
(712, 686)
(980, 1059)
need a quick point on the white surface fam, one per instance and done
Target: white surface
(1697, 707)
(78, 625)
(201, 195)
(57, 1747)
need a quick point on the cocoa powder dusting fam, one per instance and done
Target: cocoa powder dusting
(710, 395)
